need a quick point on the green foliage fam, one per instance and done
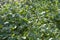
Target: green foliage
(30, 20)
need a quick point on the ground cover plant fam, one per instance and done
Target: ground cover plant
(29, 19)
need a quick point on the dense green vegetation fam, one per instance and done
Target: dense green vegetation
(30, 20)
